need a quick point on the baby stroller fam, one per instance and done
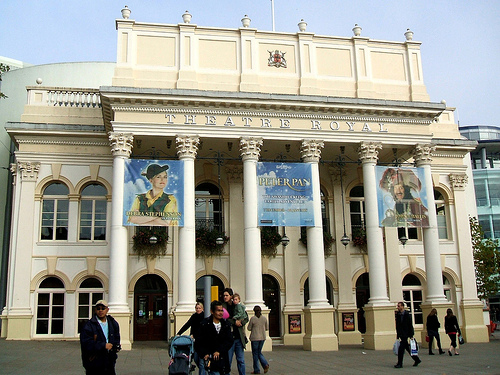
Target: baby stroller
(181, 355)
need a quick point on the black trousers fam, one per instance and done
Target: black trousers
(405, 345)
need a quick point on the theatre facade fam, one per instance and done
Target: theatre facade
(216, 106)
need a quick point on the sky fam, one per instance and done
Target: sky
(460, 46)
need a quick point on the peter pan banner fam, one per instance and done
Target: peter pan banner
(154, 193)
(402, 198)
(285, 194)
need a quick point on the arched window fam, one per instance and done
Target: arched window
(50, 307)
(441, 215)
(89, 292)
(93, 209)
(208, 207)
(357, 209)
(447, 287)
(55, 205)
(412, 295)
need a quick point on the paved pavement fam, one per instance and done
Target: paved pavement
(63, 357)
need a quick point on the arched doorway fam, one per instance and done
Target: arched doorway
(271, 291)
(213, 281)
(362, 297)
(150, 309)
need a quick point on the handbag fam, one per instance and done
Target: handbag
(427, 339)
(461, 340)
(413, 347)
(395, 347)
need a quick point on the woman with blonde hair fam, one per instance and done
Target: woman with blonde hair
(433, 331)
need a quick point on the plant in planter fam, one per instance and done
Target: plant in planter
(269, 241)
(150, 242)
(206, 245)
(359, 238)
(328, 241)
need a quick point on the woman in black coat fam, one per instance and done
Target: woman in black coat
(194, 323)
(433, 331)
(452, 328)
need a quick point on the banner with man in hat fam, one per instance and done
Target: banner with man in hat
(402, 200)
(154, 193)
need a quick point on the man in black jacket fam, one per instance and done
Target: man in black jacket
(404, 330)
(100, 341)
(216, 339)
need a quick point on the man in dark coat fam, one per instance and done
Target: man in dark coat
(404, 331)
(100, 341)
(216, 339)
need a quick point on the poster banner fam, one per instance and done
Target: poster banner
(285, 194)
(402, 198)
(153, 193)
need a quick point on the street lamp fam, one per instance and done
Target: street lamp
(285, 240)
(403, 239)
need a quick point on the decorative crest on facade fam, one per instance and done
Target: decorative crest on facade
(423, 154)
(311, 150)
(234, 173)
(121, 143)
(250, 147)
(368, 151)
(276, 59)
(29, 170)
(458, 180)
(187, 146)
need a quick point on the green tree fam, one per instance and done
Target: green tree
(3, 68)
(486, 261)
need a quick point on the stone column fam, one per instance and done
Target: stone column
(121, 148)
(379, 312)
(187, 148)
(320, 335)
(20, 312)
(250, 152)
(473, 327)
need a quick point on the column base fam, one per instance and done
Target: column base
(294, 327)
(473, 327)
(124, 320)
(320, 334)
(348, 335)
(380, 327)
(17, 327)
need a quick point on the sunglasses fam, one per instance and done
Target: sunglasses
(100, 308)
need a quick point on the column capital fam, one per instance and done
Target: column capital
(29, 170)
(422, 154)
(458, 180)
(250, 148)
(234, 173)
(311, 150)
(368, 151)
(187, 146)
(121, 143)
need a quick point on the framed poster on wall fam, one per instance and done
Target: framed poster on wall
(294, 324)
(348, 321)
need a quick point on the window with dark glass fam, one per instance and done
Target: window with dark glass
(93, 211)
(208, 207)
(55, 206)
(357, 209)
(90, 291)
(413, 296)
(50, 307)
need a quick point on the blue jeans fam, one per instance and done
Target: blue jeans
(237, 349)
(199, 362)
(257, 356)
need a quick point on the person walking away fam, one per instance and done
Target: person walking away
(433, 331)
(216, 340)
(258, 327)
(194, 323)
(451, 327)
(404, 331)
(100, 341)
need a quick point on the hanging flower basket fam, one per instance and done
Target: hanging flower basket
(269, 241)
(145, 244)
(206, 245)
(359, 238)
(328, 241)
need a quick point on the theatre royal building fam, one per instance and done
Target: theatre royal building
(240, 117)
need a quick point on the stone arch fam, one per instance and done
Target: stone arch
(50, 179)
(143, 272)
(420, 273)
(278, 278)
(37, 279)
(77, 280)
(87, 180)
(214, 181)
(356, 276)
(450, 274)
(328, 274)
(446, 191)
(222, 278)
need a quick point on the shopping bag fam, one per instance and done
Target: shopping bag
(427, 339)
(461, 340)
(395, 347)
(413, 347)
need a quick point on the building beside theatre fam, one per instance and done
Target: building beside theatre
(219, 106)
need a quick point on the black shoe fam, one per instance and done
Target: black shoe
(449, 353)
(431, 353)
(398, 366)
(457, 354)
(441, 352)
(417, 361)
